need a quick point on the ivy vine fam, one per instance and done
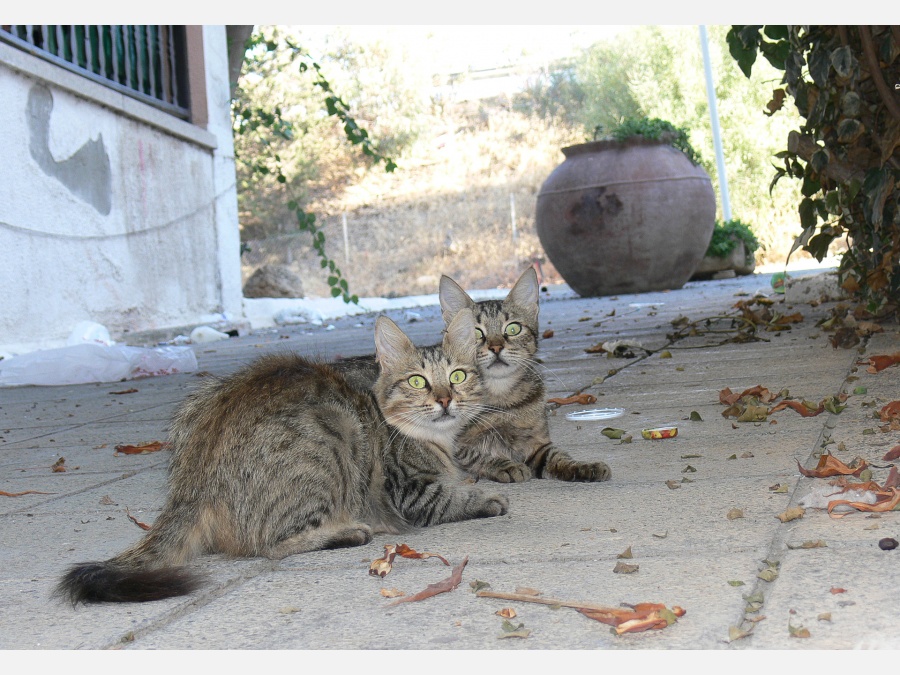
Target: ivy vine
(270, 127)
(844, 81)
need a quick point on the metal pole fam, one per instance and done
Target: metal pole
(714, 117)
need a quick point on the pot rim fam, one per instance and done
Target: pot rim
(612, 144)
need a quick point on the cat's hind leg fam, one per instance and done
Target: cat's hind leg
(336, 535)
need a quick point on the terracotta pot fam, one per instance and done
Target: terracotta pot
(625, 217)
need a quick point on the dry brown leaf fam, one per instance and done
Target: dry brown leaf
(798, 407)
(406, 552)
(443, 586)
(886, 500)
(880, 362)
(625, 568)
(548, 333)
(890, 412)
(581, 399)
(626, 553)
(124, 391)
(643, 616)
(763, 395)
(506, 613)
(26, 492)
(392, 593)
(836, 591)
(791, 514)
(143, 526)
(829, 465)
(59, 465)
(892, 454)
(142, 448)
(734, 514)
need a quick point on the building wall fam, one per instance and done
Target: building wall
(110, 210)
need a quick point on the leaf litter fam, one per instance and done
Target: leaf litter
(626, 619)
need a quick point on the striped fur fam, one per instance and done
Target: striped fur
(287, 456)
(510, 442)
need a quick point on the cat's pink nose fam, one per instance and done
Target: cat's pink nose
(445, 401)
(496, 348)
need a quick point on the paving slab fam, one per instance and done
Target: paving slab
(698, 513)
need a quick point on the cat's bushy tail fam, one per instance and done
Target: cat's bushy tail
(147, 571)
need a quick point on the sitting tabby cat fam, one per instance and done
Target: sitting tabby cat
(511, 441)
(286, 456)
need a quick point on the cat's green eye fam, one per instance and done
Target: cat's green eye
(417, 382)
(479, 334)
(513, 328)
(458, 376)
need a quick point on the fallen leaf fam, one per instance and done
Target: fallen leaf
(581, 399)
(695, 416)
(26, 492)
(689, 469)
(596, 349)
(142, 448)
(886, 500)
(609, 432)
(824, 616)
(380, 567)
(799, 407)
(837, 591)
(407, 552)
(779, 488)
(665, 354)
(818, 543)
(625, 568)
(59, 465)
(892, 454)
(548, 333)
(890, 412)
(506, 613)
(660, 536)
(641, 617)
(106, 500)
(753, 413)
(143, 526)
(736, 633)
(443, 586)
(512, 631)
(736, 583)
(829, 465)
(478, 585)
(392, 593)
(626, 554)
(880, 362)
(733, 514)
(124, 391)
(673, 484)
(791, 514)
(798, 631)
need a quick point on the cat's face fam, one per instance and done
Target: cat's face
(505, 331)
(428, 393)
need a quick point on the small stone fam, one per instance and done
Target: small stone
(887, 544)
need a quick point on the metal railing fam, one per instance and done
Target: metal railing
(146, 62)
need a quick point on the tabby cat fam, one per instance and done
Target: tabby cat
(286, 456)
(511, 442)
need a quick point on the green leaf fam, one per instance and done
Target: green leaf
(335, 292)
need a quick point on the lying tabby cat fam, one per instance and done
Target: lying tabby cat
(286, 456)
(511, 441)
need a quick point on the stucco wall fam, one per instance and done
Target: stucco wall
(110, 210)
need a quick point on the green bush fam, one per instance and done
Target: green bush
(725, 237)
(655, 129)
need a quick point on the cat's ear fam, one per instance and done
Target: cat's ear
(526, 291)
(453, 298)
(459, 337)
(392, 345)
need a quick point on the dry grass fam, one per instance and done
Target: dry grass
(447, 210)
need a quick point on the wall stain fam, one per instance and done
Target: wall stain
(86, 174)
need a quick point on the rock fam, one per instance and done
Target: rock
(815, 288)
(274, 281)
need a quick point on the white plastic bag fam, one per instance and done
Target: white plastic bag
(94, 362)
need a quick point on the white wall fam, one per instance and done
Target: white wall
(110, 210)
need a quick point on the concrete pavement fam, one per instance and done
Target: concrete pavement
(669, 501)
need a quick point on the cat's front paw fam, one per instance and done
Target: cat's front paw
(511, 472)
(593, 472)
(495, 505)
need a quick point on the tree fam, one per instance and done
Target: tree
(846, 154)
